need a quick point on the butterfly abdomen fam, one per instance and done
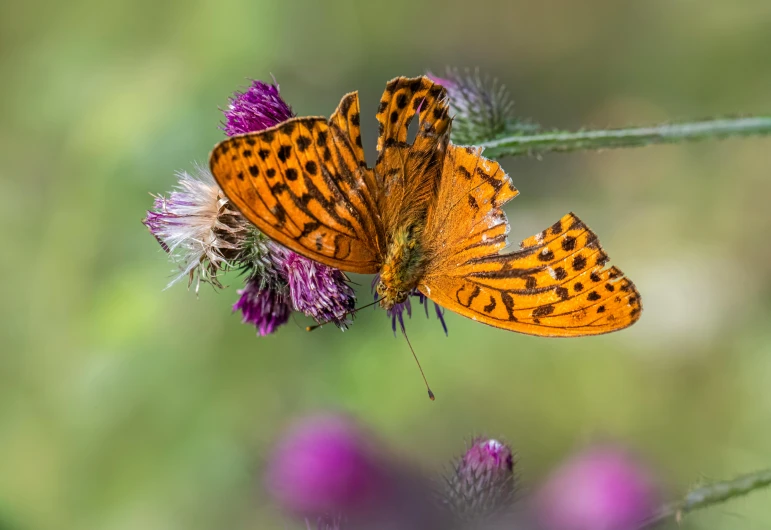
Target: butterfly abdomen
(403, 266)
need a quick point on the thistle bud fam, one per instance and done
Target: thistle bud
(482, 107)
(482, 485)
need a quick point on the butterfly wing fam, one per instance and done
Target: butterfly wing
(555, 285)
(408, 173)
(305, 184)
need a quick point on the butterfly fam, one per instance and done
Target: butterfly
(428, 217)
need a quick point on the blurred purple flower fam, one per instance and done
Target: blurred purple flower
(396, 313)
(325, 466)
(603, 488)
(318, 291)
(257, 108)
(265, 307)
(324, 523)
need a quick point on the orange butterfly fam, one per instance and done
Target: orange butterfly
(428, 216)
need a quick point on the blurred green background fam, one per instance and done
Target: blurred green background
(125, 406)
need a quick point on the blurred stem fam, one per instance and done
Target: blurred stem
(710, 495)
(562, 141)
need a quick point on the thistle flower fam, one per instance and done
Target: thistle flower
(331, 472)
(396, 313)
(257, 108)
(601, 488)
(317, 290)
(324, 467)
(265, 307)
(197, 227)
(482, 483)
(482, 106)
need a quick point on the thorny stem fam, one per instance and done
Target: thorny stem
(563, 141)
(710, 495)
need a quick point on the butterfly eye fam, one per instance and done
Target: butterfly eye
(381, 289)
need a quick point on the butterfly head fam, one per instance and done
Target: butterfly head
(390, 296)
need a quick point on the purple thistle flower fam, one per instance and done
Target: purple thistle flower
(324, 467)
(331, 472)
(156, 221)
(317, 290)
(396, 313)
(601, 488)
(197, 227)
(258, 108)
(263, 306)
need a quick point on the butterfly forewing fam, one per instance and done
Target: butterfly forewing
(555, 285)
(305, 184)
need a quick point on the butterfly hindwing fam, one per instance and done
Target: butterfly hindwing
(408, 173)
(346, 138)
(304, 184)
(467, 220)
(555, 285)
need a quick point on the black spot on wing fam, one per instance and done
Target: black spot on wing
(462, 292)
(543, 310)
(302, 142)
(489, 307)
(284, 152)
(508, 303)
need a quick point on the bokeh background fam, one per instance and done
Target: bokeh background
(125, 406)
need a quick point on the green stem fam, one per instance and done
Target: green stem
(561, 141)
(712, 494)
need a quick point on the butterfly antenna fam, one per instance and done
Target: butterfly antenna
(430, 393)
(352, 312)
